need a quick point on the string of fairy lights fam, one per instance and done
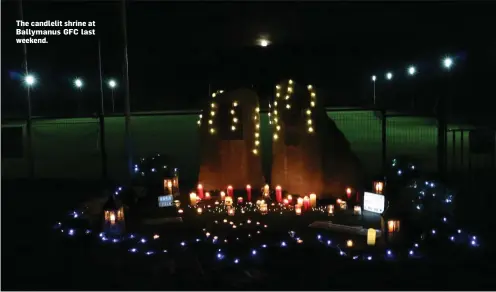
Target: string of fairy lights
(237, 231)
(283, 103)
(254, 235)
(256, 118)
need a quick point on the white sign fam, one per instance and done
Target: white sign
(373, 202)
(165, 201)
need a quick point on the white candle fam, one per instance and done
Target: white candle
(299, 202)
(193, 198)
(313, 200)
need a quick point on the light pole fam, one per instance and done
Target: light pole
(78, 83)
(112, 84)
(411, 71)
(29, 81)
(374, 78)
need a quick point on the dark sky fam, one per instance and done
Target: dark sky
(176, 49)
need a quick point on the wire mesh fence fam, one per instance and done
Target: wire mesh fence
(71, 148)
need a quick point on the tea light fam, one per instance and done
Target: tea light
(343, 205)
(199, 190)
(240, 200)
(357, 210)
(278, 194)
(177, 203)
(230, 191)
(231, 212)
(313, 200)
(349, 243)
(180, 211)
(248, 193)
(193, 198)
(199, 211)
(298, 209)
(263, 208)
(330, 209)
(222, 195)
(299, 202)
(207, 196)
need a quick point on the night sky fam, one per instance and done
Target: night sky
(176, 49)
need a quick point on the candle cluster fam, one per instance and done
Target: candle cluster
(238, 221)
(252, 237)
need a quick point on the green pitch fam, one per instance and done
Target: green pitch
(70, 147)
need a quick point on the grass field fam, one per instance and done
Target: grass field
(67, 148)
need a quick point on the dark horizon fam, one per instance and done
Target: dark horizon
(177, 49)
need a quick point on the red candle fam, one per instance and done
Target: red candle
(348, 192)
(285, 202)
(207, 196)
(222, 195)
(279, 194)
(290, 199)
(306, 203)
(240, 200)
(230, 191)
(200, 191)
(248, 193)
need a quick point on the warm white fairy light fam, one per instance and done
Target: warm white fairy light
(256, 120)
(234, 118)
(213, 110)
(313, 97)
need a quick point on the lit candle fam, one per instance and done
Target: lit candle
(240, 200)
(200, 191)
(263, 208)
(168, 186)
(306, 203)
(343, 205)
(379, 187)
(258, 202)
(348, 192)
(193, 198)
(180, 211)
(222, 195)
(357, 210)
(278, 194)
(112, 218)
(230, 212)
(248, 193)
(313, 200)
(371, 236)
(207, 196)
(290, 199)
(299, 202)
(230, 191)
(330, 209)
(177, 203)
(349, 243)
(199, 211)
(298, 209)
(228, 201)
(266, 190)
(285, 202)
